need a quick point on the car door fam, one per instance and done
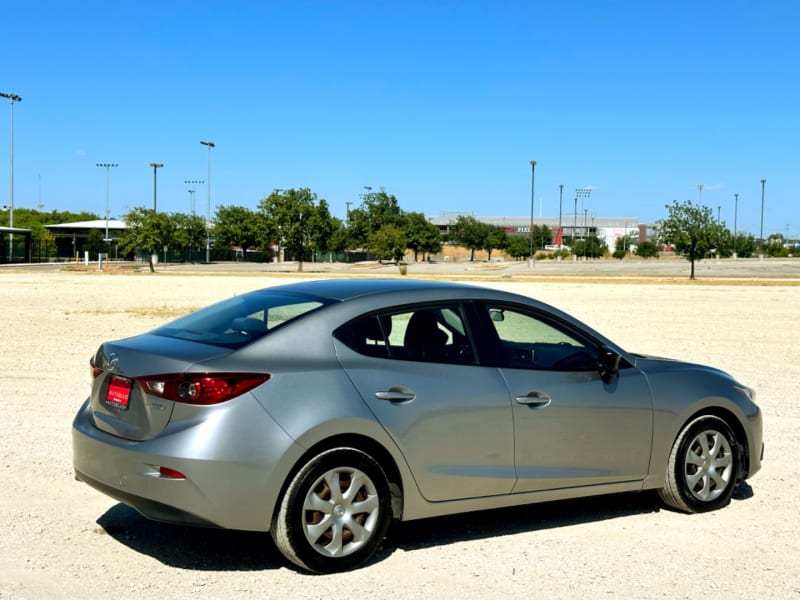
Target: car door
(570, 427)
(418, 372)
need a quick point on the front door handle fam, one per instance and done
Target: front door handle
(534, 400)
(396, 395)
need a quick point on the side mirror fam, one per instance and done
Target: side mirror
(608, 365)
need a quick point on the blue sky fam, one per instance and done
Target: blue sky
(444, 104)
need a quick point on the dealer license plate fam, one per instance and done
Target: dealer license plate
(119, 392)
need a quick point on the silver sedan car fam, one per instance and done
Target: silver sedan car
(321, 411)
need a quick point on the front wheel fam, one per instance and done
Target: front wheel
(334, 513)
(703, 467)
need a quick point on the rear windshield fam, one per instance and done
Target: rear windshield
(240, 320)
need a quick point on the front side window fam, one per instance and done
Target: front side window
(428, 334)
(531, 341)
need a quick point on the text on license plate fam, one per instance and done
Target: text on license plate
(119, 391)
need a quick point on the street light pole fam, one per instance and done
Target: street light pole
(192, 182)
(761, 233)
(107, 167)
(530, 233)
(209, 145)
(11, 99)
(560, 230)
(735, 216)
(156, 167)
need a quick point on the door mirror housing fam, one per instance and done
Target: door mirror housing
(608, 365)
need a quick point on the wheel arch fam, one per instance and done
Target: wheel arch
(363, 444)
(742, 443)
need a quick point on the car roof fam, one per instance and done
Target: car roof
(347, 289)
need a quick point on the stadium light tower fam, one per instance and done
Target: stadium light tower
(192, 182)
(11, 99)
(579, 193)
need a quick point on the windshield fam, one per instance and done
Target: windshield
(240, 320)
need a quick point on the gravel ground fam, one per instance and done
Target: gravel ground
(62, 539)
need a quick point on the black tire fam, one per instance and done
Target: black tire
(703, 467)
(325, 528)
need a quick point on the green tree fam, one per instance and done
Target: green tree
(299, 222)
(743, 245)
(468, 233)
(495, 238)
(148, 231)
(647, 249)
(95, 244)
(190, 233)
(622, 246)
(322, 227)
(691, 229)
(421, 235)
(389, 243)
(237, 226)
(377, 210)
(518, 246)
(591, 247)
(542, 236)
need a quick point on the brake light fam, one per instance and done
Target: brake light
(94, 370)
(201, 388)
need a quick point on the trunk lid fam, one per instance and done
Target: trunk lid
(122, 407)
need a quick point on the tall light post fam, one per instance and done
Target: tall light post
(209, 145)
(761, 234)
(107, 167)
(560, 231)
(156, 167)
(735, 216)
(700, 191)
(192, 182)
(585, 231)
(530, 233)
(11, 99)
(579, 193)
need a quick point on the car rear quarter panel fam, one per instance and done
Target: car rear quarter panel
(231, 480)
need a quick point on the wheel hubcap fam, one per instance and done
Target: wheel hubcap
(340, 512)
(709, 465)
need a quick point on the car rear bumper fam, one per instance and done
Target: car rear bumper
(148, 508)
(231, 481)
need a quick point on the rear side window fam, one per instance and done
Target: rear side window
(238, 321)
(426, 334)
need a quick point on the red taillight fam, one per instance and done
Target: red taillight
(201, 388)
(94, 370)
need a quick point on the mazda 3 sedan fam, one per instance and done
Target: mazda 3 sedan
(320, 411)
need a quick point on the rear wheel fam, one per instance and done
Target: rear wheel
(334, 513)
(703, 467)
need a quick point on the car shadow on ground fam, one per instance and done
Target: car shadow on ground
(223, 550)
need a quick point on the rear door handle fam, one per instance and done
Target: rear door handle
(534, 400)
